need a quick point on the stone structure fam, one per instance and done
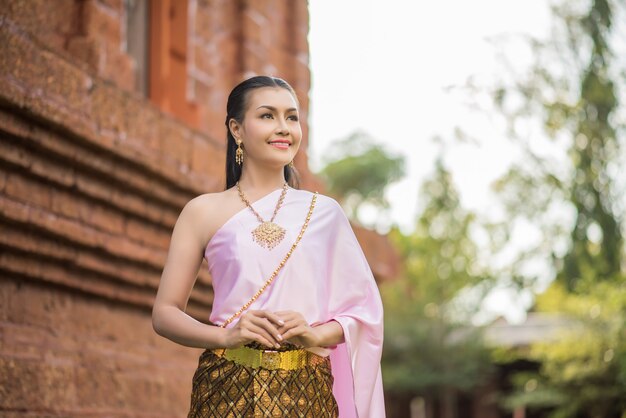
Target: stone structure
(111, 119)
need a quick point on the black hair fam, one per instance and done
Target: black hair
(235, 109)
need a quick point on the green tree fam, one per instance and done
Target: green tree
(574, 87)
(358, 171)
(593, 152)
(582, 373)
(430, 349)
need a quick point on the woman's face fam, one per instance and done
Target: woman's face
(270, 131)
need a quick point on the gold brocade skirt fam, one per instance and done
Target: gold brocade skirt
(225, 388)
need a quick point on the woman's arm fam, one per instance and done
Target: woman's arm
(179, 275)
(329, 334)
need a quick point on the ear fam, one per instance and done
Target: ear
(235, 128)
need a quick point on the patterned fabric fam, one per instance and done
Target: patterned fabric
(225, 389)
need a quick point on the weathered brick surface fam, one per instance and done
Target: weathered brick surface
(72, 355)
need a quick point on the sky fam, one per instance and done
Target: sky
(390, 67)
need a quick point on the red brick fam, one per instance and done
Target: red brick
(116, 6)
(14, 210)
(101, 23)
(200, 154)
(24, 341)
(256, 28)
(281, 31)
(253, 62)
(102, 218)
(14, 237)
(3, 180)
(14, 154)
(174, 143)
(51, 170)
(28, 190)
(213, 120)
(201, 92)
(47, 21)
(147, 233)
(6, 290)
(118, 67)
(66, 204)
(128, 273)
(122, 247)
(204, 59)
(86, 50)
(64, 227)
(204, 24)
(94, 188)
(99, 389)
(227, 61)
(178, 18)
(142, 126)
(31, 373)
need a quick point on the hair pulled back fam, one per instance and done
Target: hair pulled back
(235, 109)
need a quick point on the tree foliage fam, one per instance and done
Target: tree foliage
(583, 371)
(574, 86)
(429, 347)
(358, 170)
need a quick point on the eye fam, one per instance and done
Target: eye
(293, 117)
(266, 114)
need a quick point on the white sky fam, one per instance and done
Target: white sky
(382, 66)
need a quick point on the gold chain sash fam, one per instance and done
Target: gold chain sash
(280, 266)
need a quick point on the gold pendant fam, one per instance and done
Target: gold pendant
(268, 234)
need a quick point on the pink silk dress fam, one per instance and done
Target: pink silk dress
(326, 278)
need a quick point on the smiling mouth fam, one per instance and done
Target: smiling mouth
(280, 145)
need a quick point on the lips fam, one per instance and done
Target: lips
(280, 143)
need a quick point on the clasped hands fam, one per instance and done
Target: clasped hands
(271, 329)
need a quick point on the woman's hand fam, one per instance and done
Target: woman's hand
(297, 331)
(259, 326)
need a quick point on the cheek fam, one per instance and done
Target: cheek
(297, 132)
(257, 128)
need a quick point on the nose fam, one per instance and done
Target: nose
(282, 127)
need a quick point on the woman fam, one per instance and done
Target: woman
(296, 323)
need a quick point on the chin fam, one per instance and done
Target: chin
(276, 163)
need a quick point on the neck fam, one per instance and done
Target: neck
(261, 179)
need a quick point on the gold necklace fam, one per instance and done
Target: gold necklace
(268, 234)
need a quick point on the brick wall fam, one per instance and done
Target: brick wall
(92, 177)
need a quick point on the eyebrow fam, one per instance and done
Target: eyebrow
(274, 109)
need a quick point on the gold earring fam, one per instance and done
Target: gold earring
(239, 154)
(291, 164)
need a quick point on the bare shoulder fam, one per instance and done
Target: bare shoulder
(209, 211)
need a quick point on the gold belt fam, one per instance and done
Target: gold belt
(270, 359)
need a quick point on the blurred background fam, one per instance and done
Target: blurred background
(477, 147)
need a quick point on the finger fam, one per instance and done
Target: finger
(261, 326)
(289, 325)
(249, 336)
(274, 337)
(295, 332)
(287, 314)
(260, 319)
(291, 316)
(273, 317)
(268, 326)
(261, 335)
